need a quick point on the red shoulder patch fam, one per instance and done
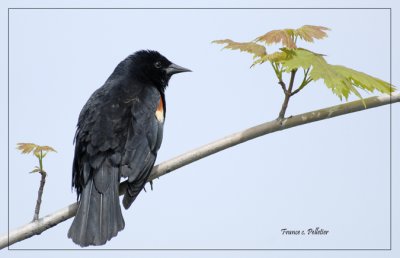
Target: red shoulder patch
(160, 111)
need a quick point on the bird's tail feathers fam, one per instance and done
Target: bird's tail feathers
(99, 216)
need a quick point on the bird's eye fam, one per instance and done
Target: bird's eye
(157, 64)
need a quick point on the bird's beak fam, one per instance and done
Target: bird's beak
(173, 69)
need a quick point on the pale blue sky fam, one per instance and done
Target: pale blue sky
(332, 174)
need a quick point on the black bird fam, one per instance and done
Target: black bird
(118, 134)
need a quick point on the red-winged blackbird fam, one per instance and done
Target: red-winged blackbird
(119, 132)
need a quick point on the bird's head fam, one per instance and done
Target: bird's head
(153, 67)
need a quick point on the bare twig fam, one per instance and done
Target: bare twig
(283, 85)
(306, 80)
(51, 220)
(40, 193)
(288, 94)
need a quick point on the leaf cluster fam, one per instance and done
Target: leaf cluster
(288, 37)
(341, 80)
(38, 151)
(27, 148)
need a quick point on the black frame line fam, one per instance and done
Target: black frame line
(198, 8)
(8, 129)
(196, 249)
(390, 128)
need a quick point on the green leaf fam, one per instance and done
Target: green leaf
(364, 81)
(341, 80)
(301, 58)
(249, 47)
(35, 170)
(37, 154)
(275, 57)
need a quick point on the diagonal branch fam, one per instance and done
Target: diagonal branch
(37, 227)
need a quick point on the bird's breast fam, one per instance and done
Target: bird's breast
(160, 111)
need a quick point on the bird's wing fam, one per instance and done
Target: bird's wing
(142, 142)
(122, 131)
(100, 137)
(96, 168)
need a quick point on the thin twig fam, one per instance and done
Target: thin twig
(303, 83)
(279, 75)
(288, 94)
(40, 193)
(283, 85)
(59, 216)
